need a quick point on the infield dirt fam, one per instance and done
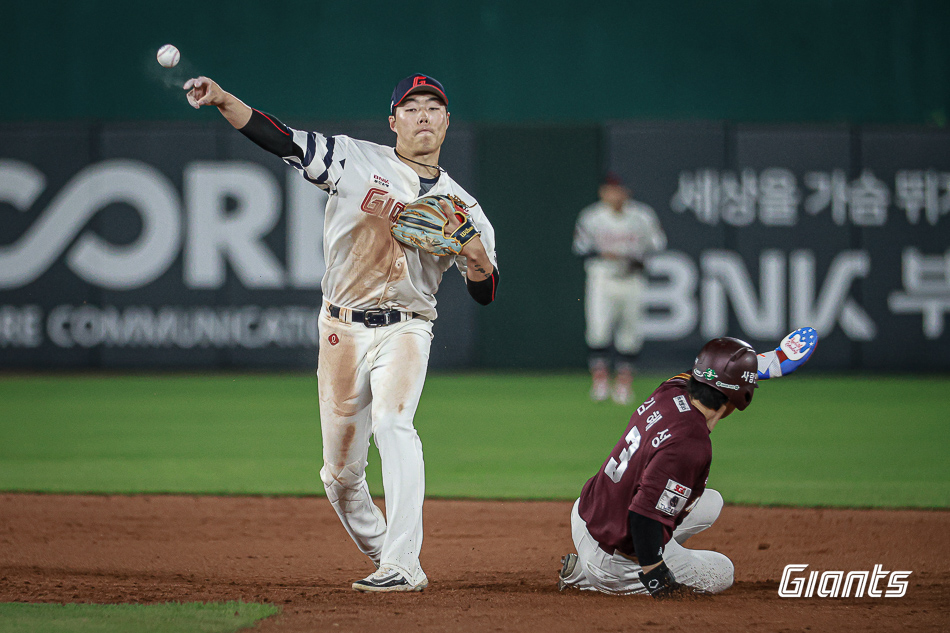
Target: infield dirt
(492, 566)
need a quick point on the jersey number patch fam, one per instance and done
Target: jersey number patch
(615, 469)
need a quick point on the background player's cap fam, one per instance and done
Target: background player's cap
(417, 83)
(612, 179)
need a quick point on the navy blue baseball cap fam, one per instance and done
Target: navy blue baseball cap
(417, 83)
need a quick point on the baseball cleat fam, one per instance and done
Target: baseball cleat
(622, 394)
(600, 390)
(387, 579)
(794, 350)
(568, 563)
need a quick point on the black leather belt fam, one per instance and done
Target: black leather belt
(373, 318)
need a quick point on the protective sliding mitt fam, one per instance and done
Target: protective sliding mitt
(792, 352)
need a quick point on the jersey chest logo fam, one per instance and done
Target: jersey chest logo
(380, 203)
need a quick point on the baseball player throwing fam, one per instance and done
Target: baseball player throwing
(378, 308)
(650, 496)
(614, 235)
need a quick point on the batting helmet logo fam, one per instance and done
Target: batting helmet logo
(722, 363)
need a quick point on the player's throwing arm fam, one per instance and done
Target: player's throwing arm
(395, 222)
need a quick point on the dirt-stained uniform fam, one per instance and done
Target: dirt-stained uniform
(659, 470)
(378, 307)
(371, 379)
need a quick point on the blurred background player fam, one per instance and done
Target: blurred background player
(650, 496)
(615, 235)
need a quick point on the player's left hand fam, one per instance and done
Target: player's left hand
(661, 583)
(794, 350)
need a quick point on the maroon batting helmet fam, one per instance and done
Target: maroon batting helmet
(729, 366)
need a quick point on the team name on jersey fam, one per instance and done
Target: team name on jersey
(661, 437)
(646, 405)
(380, 203)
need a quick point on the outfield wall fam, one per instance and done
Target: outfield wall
(169, 245)
(881, 61)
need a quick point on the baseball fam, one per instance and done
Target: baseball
(168, 56)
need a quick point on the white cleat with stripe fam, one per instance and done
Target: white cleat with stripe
(387, 579)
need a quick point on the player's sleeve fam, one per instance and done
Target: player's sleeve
(656, 238)
(583, 236)
(319, 159)
(647, 536)
(483, 291)
(270, 134)
(671, 478)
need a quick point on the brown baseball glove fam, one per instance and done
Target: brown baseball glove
(422, 224)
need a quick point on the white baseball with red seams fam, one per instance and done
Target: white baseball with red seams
(168, 56)
(370, 379)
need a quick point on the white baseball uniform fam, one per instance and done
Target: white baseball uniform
(370, 378)
(703, 570)
(611, 240)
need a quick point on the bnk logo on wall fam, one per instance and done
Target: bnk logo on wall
(837, 584)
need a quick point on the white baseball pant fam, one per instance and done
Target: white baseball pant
(370, 381)
(614, 311)
(709, 572)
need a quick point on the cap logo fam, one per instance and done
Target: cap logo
(418, 81)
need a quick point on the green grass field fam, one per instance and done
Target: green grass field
(223, 617)
(806, 440)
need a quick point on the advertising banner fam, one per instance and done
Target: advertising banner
(773, 228)
(168, 246)
(186, 246)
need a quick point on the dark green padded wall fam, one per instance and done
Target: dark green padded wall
(533, 181)
(749, 60)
